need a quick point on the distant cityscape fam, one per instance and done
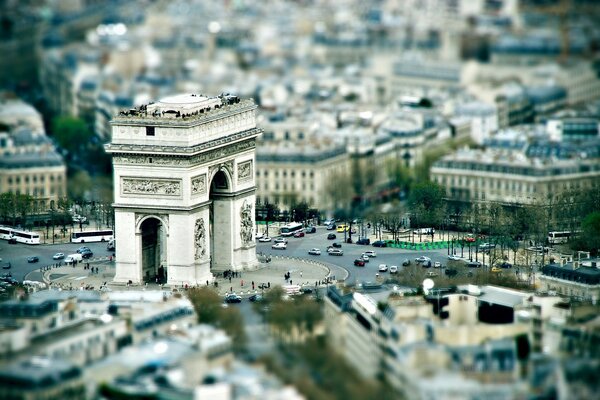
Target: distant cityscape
(299, 199)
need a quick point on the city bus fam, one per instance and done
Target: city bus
(92, 236)
(290, 229)
(21, 236)
(559, 237)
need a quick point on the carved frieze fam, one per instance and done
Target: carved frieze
(184, 161)
(246, 228)
(142, 186)
(199, 184)
(244, 171)
(200, 239)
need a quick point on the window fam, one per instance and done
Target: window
(149, 131)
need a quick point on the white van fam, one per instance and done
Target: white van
(424, 231)
(71, 258)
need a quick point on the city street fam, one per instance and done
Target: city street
(17, 254)
(299, 247)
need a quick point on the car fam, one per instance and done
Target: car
(330, 227)
(370, 253)
(328, 222)
(259, 235)
(342, 228)
(314, 252)
(255, 298)
(264, 239)
(470, 238)
(7, 266)
(299, 234)
(474, 264)
(58, 256)
(33, 259)
(453, 257)
(363, 241)
(496, 269)
(505, 265)
(281, 240)
(331, 236)
(422, 259)
(87, 254)
(336, 245)
(486, 246)
(12, 240)
(279, 246)
(307, 290)
(335, 252)
(382, 268)
(437, 264)
(233, 298)
(359, 263)
(451, 272)
(365, 257)
(432, 274)
(310, 229)
(394, 269)
(379, 243)
(406, 262)
(82, 249)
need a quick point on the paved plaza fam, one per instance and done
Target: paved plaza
(99, 276)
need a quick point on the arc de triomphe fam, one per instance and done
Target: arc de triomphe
(184, 189)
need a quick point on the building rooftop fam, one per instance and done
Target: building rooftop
(37, 373)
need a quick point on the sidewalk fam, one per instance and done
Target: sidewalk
(302, 272)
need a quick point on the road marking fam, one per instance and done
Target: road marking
(77, 278)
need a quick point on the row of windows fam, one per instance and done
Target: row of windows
(33, 178)
(285, 200)
(284, 173)
(41, 191)
(285, 186)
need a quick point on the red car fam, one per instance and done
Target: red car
(359, 263)
(299, 234)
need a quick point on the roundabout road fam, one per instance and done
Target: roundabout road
(17, 255)
(299, 247)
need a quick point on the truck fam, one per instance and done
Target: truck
(73, 258)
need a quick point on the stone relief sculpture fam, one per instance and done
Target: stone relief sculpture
(200, 239)
(246, 222)
(245, 171)
(199, 184)
(149, 186)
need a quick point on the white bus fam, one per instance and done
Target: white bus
(290, 229)
(559, 237)
(92, 236)
(21, 236)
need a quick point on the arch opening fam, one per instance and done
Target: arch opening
(153, 250)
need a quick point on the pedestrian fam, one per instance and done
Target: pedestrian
(252, 285)
(231, 289)
(207, 283)
(290, 281)
(269, 285)
(230, 279)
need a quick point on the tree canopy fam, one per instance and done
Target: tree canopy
(71, 133)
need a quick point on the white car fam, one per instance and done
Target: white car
(364, 257)
(279, 246)
(264, 239)
(437, 264)
(58, 256)
(454, 257)
(370, 253)
(394, 269)
(281, 240)
(259, 235)
(335, 252)
(314, 252)
(382, 268)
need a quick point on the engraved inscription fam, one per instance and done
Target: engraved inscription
(151, 187)
(244, 171)
(199, 184)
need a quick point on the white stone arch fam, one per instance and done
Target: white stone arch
(226, 168)
(164, 220)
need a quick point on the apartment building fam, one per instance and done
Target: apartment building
(520, 166)
(29, 162)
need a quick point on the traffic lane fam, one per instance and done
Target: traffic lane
(299, 247)
(17, 255)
